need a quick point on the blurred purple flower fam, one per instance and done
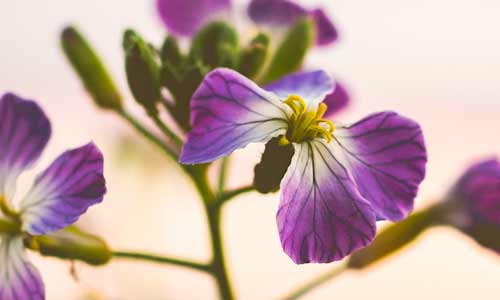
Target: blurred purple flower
(341, 178)
(287, 12)
(185, 17)
(474, 203)
(58, 197)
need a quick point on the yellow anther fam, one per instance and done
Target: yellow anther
(283, 141)
(321, 110)
(329, 123)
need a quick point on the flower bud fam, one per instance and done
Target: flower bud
(473, 204)
(215, 45)
(253, 57)
(143, 74)
(73, 244)
(91, 70)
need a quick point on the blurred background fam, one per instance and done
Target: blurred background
(435, 61)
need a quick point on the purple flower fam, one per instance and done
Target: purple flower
(341, 179)
(286, 12)
(474, 203)
(58, 197)
(185, 17)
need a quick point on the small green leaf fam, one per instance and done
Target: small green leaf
(272, 167)
(73, 244)
(215, 45)
(143, 73)
(253, 57)
(290, 54)
(90, 69)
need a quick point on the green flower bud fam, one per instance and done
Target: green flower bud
(73, 244)
(395, 237)
(170, 51)
(253, 57)
(90, 69)
(143, 74)
(272, 166)
(215, 45)
(290, 54)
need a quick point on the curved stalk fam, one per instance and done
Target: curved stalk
(162, 259)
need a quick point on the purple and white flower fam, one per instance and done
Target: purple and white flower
(342, 178)
(58, 197)
(473, 204)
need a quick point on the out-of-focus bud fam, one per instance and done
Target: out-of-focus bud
(394, 238)
(272, 166)
(473, 204)
(90, 69)
(143, 73)
(215, 45)
(73, 244)
(290, 54)
(170, 51)
(253, 57)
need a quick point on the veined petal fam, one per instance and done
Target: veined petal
(386, 154)
(184, 18)
(19, 279)
(24, 132)
(322, 217)
(337, 100)
(64, 191)
(229, 111)
(310, 86)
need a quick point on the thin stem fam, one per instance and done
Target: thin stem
(147, 134)
(308, 286)
(164, 128)
(163, 259)
(228, 195)
(222, 175)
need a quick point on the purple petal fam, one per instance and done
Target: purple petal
(64, 191)
(326, 33)
(19, 279)
(275, 12)
(321, 217)
(229, 111)
(24, 132)
(310, 86)
(479, 191)
(183, 18)
(336, 101)
(386, 155)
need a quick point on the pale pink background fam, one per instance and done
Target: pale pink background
(435, 61)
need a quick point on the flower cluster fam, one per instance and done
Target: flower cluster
(58, 197)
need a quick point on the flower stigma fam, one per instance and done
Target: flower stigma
(305, 125)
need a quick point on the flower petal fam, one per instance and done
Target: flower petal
(310, 86)
(19, 279)
(184, 18)
(336, 101)
(229, 111)
(326, 33)
(321, 217)
(275, 12)
(24, 132)
(386, 155)
(64, 191)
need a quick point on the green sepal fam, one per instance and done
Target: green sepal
(272, 166)
(181, 87)
(143, 71)
(395, 237)
(170, 51)
(253, 57)
(73, 244)
(290, 54)
(215, 45)
(90, 69)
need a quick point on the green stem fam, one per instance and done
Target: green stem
(213, 213)
(228, 195)
(314, 283)
(169, 133)
(222, 175)
(163, 259)
(147, 134)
